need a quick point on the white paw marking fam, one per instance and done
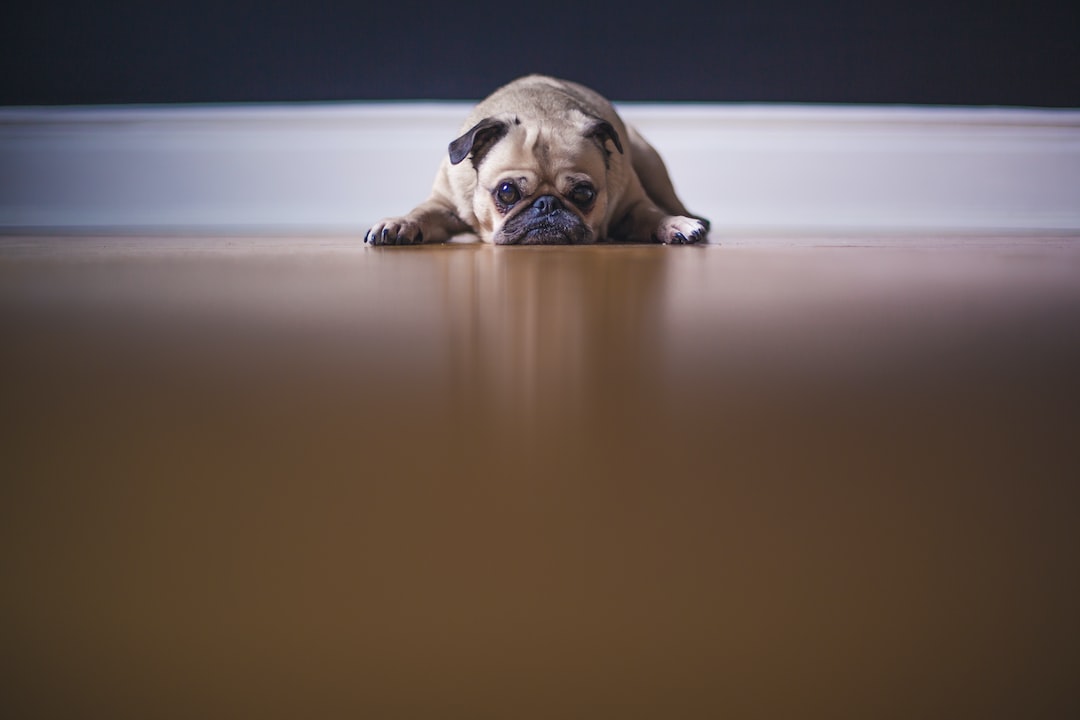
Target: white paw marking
(679, 230)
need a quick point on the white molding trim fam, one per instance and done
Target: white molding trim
(334, 168)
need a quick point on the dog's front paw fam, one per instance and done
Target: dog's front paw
(395, 231)
(679, 230)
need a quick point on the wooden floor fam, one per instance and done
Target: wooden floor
(770, 478)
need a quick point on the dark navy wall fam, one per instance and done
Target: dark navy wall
(1002, 52)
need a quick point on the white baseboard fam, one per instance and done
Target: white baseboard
(335, 168)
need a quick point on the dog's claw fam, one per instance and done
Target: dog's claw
(394, 231)
(681, 231)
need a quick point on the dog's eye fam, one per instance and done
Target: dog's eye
(582, 195)
(507, 194)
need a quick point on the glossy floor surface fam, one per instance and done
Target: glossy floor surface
(307, 478)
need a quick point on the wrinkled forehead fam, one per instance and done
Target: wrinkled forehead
(550, 150)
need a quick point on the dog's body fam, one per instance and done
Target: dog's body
(545, 161)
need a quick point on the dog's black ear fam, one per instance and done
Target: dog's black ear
(478, 139)
(602, 131)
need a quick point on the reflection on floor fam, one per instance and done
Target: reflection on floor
(303, 477)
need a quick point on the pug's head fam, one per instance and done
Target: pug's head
(540, 182)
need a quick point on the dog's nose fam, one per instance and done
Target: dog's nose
(547, 204)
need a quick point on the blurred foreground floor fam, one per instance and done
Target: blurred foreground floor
(307, 478)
